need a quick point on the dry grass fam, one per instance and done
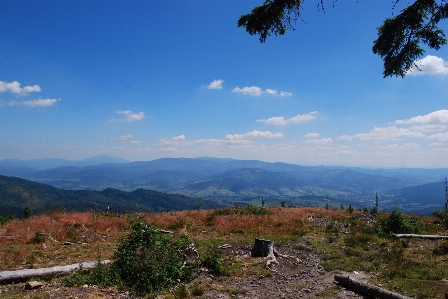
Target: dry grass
(341, 252)
(100, 231)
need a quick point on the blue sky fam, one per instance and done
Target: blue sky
(143, 80)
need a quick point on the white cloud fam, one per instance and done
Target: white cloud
(285, 93)
(428, 128)
(436, 117)
(31, 103)
(430, 65)
(217, 84)
(311, 135)
(439, 137)
(124, 137)
(130, 116)
(14, 87)
(257, 91)
(345, 137)
(40, 103)
(389, 133)
(254, 134)
(178, 138)
(320, 141)
(280, 120)
(253, 90)
(135, 141)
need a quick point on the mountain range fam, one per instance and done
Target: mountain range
(229, 180)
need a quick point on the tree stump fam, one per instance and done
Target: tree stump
(264, 248)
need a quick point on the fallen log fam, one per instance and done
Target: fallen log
(430, 237)
(367, 289)
(25, 274)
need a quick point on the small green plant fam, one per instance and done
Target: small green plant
(374, 211)
(342, 207)
(101, 275)
(27, 212)
(38, 239)
(283, 204)
(147, 261)
(212, 260)
(398, 223)
(5, 219)
(197, 291)
(442, 249)
(350, 209)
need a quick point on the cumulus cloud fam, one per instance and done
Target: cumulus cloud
(439, 137)
(430, 65)
(319, 141)
(254, 134)
(31, 103)
(257, 91)
(130, 116)
(217, 84)
(389, 133)
(177, 140)
(345, 137)
(436, 117)
(124, 137)
(14, 87)
(280, 120)
(252, 90)
(311, 135)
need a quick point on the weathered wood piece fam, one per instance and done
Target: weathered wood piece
(31, 285)
(430, 237)
(25, 274)
(367, 289)
(264, 248)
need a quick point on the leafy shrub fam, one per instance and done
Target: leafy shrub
(197, 291)
(148, 261)
(212, 260)
(398, 223)
(4, 219)
(442, 249)
(350, 209)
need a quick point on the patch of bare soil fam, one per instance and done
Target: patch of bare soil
(297, 275)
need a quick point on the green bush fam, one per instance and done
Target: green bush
(4, 219)
(148, 261)
(212, 260)
(398, 223)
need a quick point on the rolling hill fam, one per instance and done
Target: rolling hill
(16, 193)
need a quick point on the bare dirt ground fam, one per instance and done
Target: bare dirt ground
(299, 275)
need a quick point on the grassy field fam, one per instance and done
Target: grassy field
(347, 242)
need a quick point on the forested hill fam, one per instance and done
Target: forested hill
(16, 193)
